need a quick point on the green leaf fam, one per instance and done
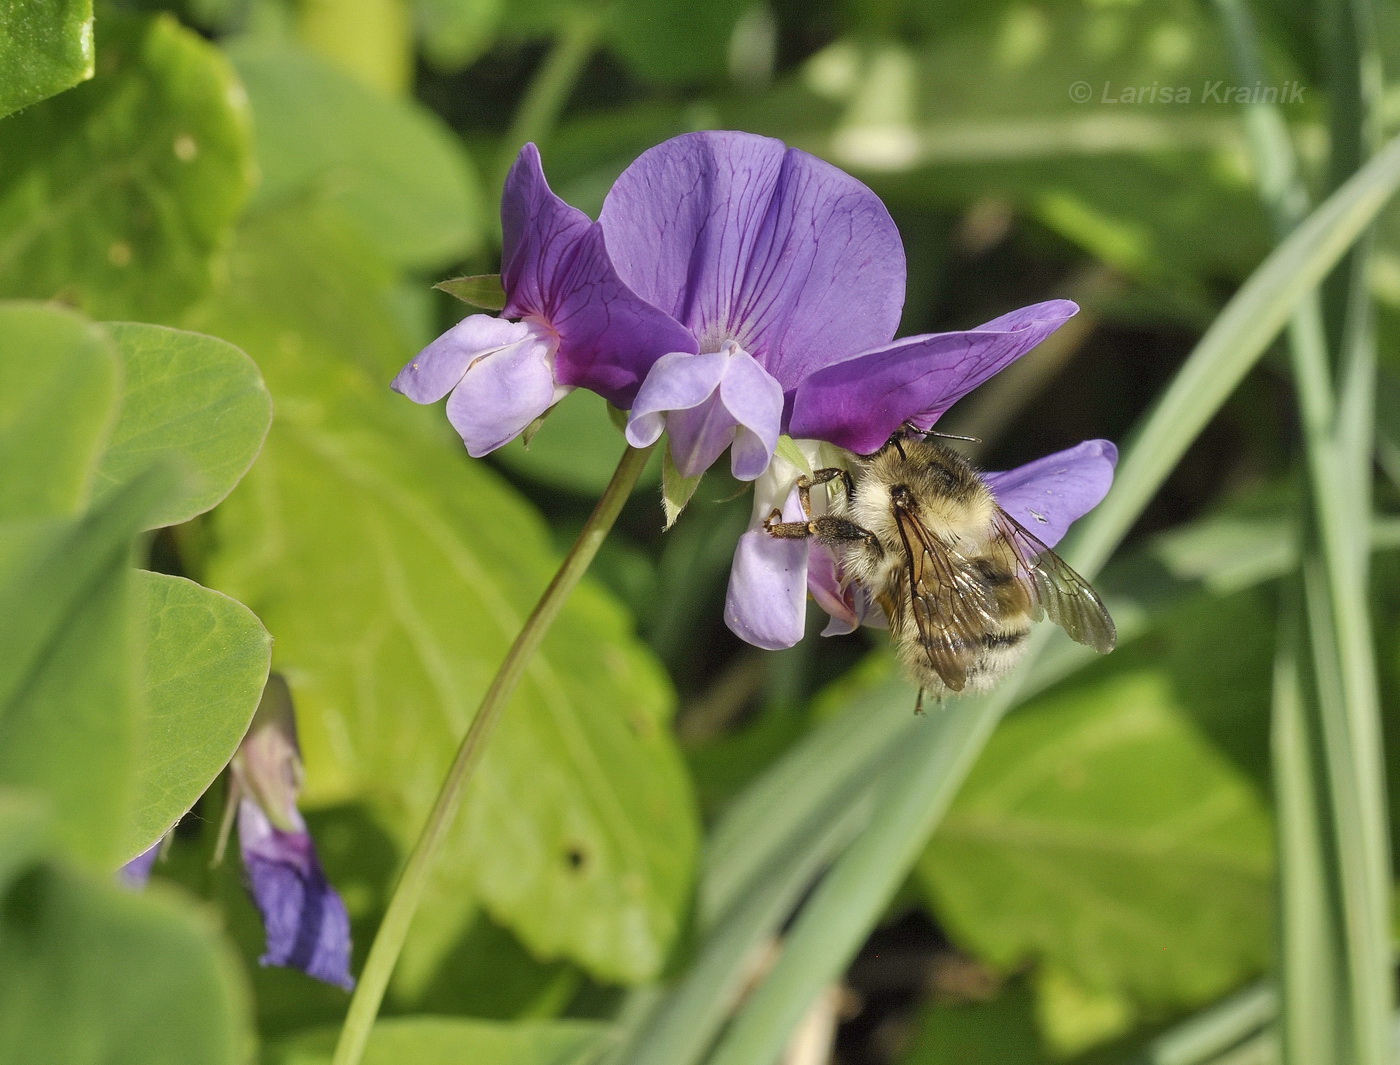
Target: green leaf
(97, 974)
(391, 166)
(450, 1041)
(58, 374)
(206, 661)
(454, 32)
(995, 1032)
(187, 395)
(45, 47)
(479, 290)
(1104, 831)
(68, 690)
(676, 488)
(119, 193)
(579, 833)
(665, 43)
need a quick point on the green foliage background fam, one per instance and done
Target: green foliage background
(220, 225)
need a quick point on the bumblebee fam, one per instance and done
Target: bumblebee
(959, 578)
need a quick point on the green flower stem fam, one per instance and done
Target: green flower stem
(553, 82)
(389, 940)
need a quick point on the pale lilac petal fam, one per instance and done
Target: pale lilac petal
(678, 381)
(436, 370)
(700, 435)
(136, 872)
(766, 604)
(824, 582)
(859, 403)
(1047, 495)
(502, 394)
(740, 238)
(305, 920)
(755, 400)
(555, 267)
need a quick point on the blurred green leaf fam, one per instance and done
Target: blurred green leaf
(667, 43)
(1109, 830)
(117, 195)
(455, 32)
(68, 690)
(97, 974)
(45, 47)
(452, 1041)
(397, 173)
(189, 395)
(206, 662)
(1001, 1031)
(579, 833)
(575, 450)
(59, 377)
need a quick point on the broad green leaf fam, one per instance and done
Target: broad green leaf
(206, 662)
(59, 377)
(455, 32)
(97, 975)
(394, 573)
(479, 290)
(45, 47)
(189, 395)
(1112, 832)
(669, 43)
(396, 172)
(452, 1041)
(117, 195)
(68, 684)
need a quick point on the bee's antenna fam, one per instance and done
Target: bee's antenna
(951, 436)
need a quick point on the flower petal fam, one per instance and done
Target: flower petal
(859, 403)
(755, 401)
(767, 598)
(824, 582)
(436, 370)
(555, 267)
(502, 394)
(1047, 495)
(677, 381)
(740, 238)
(305, 920)
(136, 872)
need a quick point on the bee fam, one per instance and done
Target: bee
(960, 579)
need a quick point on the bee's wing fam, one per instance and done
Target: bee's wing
(1057, 591)
(950, 601)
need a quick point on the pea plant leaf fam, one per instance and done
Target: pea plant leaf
(206, 662)
(449, 1040)
(1115, 827)
(45, 47)
(188, 395)
(118, 195)
(394, 573)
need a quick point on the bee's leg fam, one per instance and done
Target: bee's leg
(919, 703)
(828, 530)
(786, 530)
(819, 477)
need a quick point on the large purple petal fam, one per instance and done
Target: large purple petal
(1047, 495)
(502, 394)
(859, 403)
(305, 920)
(555, 267)
(742, 239)
(436, 370)
(678, 381)
(766, 604)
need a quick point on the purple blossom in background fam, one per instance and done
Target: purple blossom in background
(304, 918)
(579, 326)
(136, 873)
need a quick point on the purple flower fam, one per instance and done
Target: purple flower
(304, 918)
(789, 276)
(580, 325)
(771, 577)
(136, 873)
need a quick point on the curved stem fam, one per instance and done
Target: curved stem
(549, 90)
(389, 940)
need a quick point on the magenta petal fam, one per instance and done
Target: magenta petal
(678, 381)
(740, 238)
(555, 267)
(859, 403)
(305, 920)
(1047, 495)
(767, 598)
(436, 370)
(755, 401)
(502, 394)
